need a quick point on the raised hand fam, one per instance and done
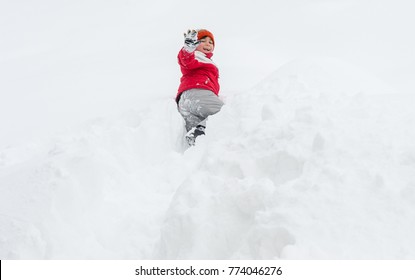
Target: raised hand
(190, 41)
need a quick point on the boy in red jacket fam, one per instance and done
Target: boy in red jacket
(197, 97)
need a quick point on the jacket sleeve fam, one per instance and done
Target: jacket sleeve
(188, 60)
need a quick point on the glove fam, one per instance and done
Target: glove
(190, 41)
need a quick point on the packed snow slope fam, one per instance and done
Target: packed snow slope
(316, 162)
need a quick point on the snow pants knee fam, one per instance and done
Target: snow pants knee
(195, 105)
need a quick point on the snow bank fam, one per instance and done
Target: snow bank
(309, 164)
(99, 192)
(300, 168)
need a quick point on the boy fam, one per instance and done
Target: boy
(197, 97)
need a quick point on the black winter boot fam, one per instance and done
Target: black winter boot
(193, 133)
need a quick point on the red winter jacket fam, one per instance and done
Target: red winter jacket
(198, 71)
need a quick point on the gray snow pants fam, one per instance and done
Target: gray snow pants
(195, 105)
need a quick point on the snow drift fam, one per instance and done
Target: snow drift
(316, 162)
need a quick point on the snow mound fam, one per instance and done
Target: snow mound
(96, 193)
(300, 167)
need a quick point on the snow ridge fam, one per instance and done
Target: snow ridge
(300, 167)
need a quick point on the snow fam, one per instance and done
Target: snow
(312, 156)
(298, 173)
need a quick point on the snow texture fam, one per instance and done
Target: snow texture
(287, 170)
(316, 161)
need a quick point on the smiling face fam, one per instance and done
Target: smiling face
(206, 45)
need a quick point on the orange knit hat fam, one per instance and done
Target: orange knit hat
(202, 33)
